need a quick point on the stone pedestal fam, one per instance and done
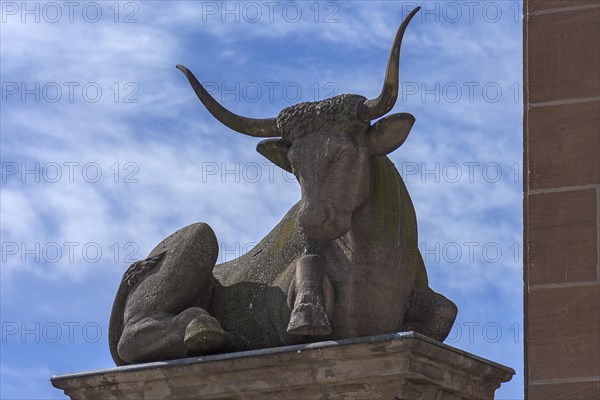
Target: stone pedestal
(403, 366)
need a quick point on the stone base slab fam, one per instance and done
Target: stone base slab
(405, 366)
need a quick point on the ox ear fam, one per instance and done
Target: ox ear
(387, 134)
(275, 150)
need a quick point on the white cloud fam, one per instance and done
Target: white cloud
(172, 140)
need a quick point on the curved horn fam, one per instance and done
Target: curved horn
(248, 126)
(375, 108)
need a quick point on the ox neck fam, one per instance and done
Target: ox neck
(377, 221)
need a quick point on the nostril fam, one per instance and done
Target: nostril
(325, 215)
(315, 217)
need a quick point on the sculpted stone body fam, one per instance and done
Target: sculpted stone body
(342, 263)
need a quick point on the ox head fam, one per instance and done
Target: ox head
(328, 145)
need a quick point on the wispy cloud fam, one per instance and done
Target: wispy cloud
(165, 162)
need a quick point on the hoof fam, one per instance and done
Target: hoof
(309, 320)
(205, 336)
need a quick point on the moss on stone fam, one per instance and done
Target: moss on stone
(394, 214)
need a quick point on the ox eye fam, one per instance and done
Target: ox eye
(344, 157)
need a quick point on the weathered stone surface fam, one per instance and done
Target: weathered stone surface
(561, 83)
(563, 45)
(572, 314)
(153, 308)
(587, 390)
(343, 263)
(563, 145)
(562, 237)
(405, 366)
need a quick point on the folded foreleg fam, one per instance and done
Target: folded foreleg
(311, 295)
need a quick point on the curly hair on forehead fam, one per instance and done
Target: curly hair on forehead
(336, 114)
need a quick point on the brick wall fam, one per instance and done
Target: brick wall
(562, 199)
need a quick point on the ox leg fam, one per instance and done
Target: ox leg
(430, 314)
(312, 296)
(165, 314)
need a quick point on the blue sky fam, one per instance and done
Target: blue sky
(105, 151)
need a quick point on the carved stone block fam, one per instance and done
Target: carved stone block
(405, 366)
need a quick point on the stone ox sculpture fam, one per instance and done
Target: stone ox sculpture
(342, 263)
